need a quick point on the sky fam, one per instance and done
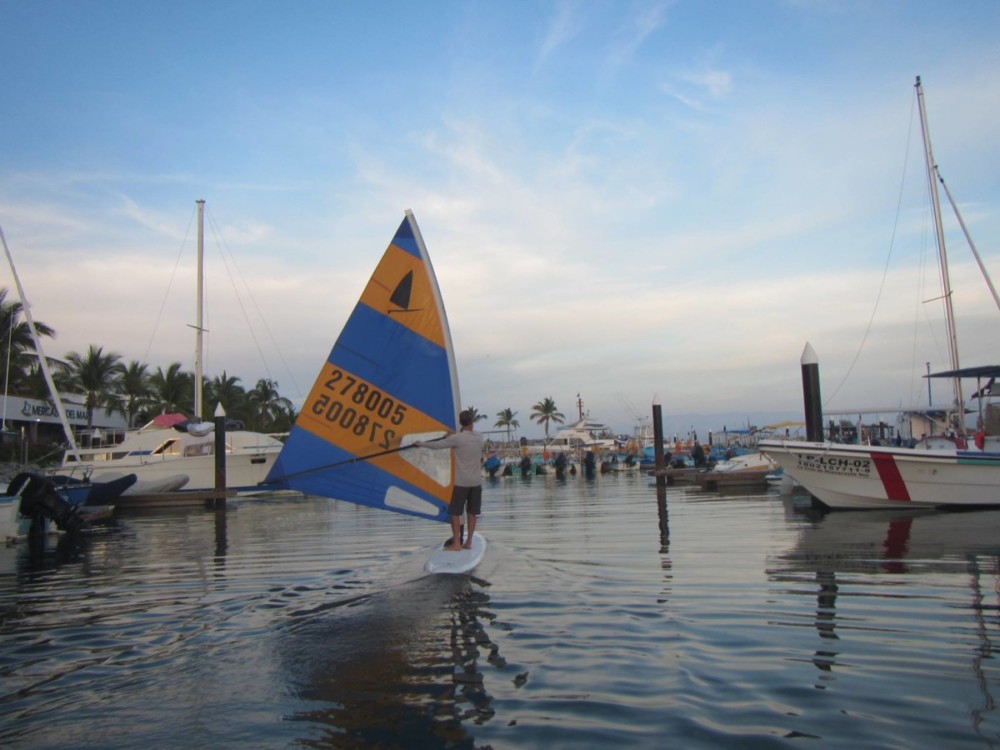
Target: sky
(623, 201)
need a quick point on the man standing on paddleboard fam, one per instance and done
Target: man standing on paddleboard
(468, 490)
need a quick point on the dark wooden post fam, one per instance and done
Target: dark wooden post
(661, 480)
(220, 456)
(811, 395)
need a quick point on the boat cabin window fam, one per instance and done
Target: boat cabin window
(199, 449)
(168, 448)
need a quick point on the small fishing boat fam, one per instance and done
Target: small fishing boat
(33, 503)
(755, 462)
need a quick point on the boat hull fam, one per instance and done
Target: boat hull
(12, 525)
(243, 473)
(864, 476)
(158, 456)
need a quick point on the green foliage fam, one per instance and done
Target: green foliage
(132, 389)
(546, 411)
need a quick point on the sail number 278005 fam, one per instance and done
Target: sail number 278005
(354, 406)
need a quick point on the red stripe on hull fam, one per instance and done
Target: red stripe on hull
(892, 480)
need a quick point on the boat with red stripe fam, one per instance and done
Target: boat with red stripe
(865, 476)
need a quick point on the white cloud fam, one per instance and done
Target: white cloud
(590, 236)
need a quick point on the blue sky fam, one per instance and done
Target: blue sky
(622, 200)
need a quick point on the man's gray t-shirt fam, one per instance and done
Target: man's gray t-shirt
(468, 447)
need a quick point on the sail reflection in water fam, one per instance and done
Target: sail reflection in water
(405, 663)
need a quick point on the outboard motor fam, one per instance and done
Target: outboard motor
(40, 500)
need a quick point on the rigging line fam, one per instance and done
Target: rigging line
(885, 269)
(968, 237)
(170, 283)
(345, 462)
(256, 307)
(6, 377)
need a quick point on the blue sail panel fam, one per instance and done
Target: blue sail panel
(359, 481)
(397, 360)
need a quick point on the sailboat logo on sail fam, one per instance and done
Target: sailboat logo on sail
(401, 296)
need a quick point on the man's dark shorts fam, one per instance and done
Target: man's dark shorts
(461, 495)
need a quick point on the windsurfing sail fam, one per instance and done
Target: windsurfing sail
(389, 381)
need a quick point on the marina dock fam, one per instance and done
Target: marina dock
(732, 480)
(179, 499)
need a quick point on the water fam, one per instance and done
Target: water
(599, 618)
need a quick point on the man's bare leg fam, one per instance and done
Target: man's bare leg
(456, 534)
(472, 528)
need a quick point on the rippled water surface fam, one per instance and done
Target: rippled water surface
(601, 617)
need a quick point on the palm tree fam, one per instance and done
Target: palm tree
(226, 390)
(476, 416)
(34, 385)
(95, 375)
(546, 411)
(17, 348)
(506, 419)
(266, 403)
(173, 390)
(134, 390)
(284, 419)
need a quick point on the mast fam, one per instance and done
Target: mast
(199, 324)
(41, 354)
(949, 311)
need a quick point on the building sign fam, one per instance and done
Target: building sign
(32, 410)
(17, 409)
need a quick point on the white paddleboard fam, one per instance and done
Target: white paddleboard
(462, 561)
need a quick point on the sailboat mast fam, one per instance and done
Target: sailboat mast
(949, 311)
(199, 324)
(42, 361)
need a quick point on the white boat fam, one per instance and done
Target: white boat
(868, 476)
(876, 476)
(165, 455)
(171, 447)
(748, 463)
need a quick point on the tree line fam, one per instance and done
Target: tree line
(544, 413)
(136, 390)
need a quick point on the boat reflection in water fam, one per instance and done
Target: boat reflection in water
(908, 562)
(878, 541)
